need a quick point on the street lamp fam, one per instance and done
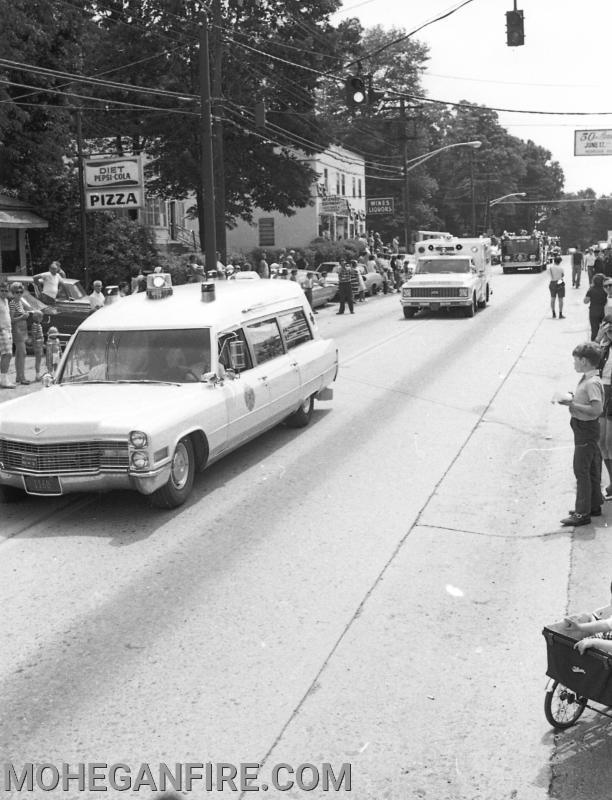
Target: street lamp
(512, 194)
(416, 162)
(497, 200)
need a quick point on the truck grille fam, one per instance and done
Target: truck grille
(63, 458)
(439, 291)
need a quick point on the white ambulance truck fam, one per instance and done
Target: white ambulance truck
(449, 273)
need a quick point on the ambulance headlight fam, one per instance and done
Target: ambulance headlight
(138, 439)
(139, 459)
(406, 292)
(464, 292)
(532, 257)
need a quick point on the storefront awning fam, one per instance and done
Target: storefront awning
(21, 219)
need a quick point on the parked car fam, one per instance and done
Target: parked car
(32, 303)
(322, 293)
(72, 304)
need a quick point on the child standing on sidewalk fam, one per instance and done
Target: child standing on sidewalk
(586, 406)
(38, 341)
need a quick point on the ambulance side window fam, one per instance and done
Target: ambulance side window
(224, 348)
(265, 339)
(295, 328)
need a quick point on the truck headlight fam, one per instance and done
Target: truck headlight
(532, 257)
(464, 292)
(406, 292)
(139, 459)
(506, 258)
(138, 439)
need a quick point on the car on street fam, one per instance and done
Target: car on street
(70, 309)
(372, 278)
(72, 304)
(322, 293)
(155, 388)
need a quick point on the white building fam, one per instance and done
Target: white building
(337, 209)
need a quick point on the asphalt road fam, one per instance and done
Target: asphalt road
(369, 590)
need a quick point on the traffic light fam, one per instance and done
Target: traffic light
(356, 91)
(515, 33)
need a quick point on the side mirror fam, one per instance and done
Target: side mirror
(237, 352)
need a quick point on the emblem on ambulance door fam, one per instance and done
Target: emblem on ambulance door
(249, 397)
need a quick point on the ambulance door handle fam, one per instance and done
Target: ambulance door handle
(264, 378)
(293, 363)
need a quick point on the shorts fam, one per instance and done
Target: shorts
(556, 289)
(6, 342)
(38, 346)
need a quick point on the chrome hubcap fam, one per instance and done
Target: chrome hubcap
(180, 466)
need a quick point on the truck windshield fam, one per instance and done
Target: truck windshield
(513, 246)
(431, 266)
(174, 356)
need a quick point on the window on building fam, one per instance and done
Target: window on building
(266, 231)
(342, 179)
(354, 186)
(155, 213)
(337, 183)
(326, 180)
(359, 187)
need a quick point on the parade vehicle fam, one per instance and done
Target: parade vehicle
(449, 273)
(523, 253)
(159, 386)
(576, 680)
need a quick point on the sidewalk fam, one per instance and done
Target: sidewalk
(19, 390)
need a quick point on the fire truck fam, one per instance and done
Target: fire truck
(523, 253)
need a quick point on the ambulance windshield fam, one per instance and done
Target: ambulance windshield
(429, 266)
(153, 356)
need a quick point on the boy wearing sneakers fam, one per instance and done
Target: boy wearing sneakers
(586, 406)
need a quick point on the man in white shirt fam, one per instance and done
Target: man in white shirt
(96, 298)
(50, 281)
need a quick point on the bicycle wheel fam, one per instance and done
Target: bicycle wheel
(563, 707)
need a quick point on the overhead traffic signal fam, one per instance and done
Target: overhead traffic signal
(515, 32)
(356, 91)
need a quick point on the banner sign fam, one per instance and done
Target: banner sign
(334, 205)
(379, 205)
(593, 143)
(112, 183)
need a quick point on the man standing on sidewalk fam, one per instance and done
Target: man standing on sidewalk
(577, 264)
(345, 290)
(6, 337)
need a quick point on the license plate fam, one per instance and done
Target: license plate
(42, 484)
(434, 306)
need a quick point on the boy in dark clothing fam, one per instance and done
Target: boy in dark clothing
(586, 406)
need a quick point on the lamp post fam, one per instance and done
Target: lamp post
(501, 199)
(416, 162)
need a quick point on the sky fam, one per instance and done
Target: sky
(564, 66)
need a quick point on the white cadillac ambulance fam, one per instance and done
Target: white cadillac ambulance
(163, 383)
(449, 273)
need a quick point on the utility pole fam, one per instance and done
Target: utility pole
(206, 152)
(406, 181)
(218, 131)
(82, 211)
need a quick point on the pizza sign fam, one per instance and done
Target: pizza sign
(113, 183)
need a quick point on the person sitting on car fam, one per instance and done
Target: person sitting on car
(49, 283)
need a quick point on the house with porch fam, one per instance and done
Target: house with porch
(16, 219)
